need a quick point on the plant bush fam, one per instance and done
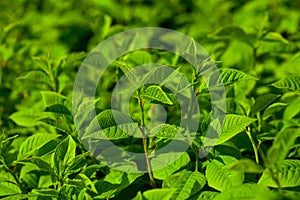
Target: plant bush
(256, 46)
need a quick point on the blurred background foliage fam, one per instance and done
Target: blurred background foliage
(260, 37)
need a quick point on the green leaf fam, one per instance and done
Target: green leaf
(33, 143)
(281, 146)
(187, 184)
(206, 195)
(291, 83)
(220, 179)
(58, 108)
(156, 93)
(53, 98)
(233, 125)
(288, 175)
(273, 36)
(105, 126)
(18, 196)
(292, 109)
(154, 194)
(248, 191)
(64, 155)
(238, 54)
(273, 109)
(36, 77)
(41, 164)
(245, 165)
(229, 32)
(163, 173)
(114, 183)
(8, 188)
(262, 102)
(226, 76)
(167, 131)
(47, 193)
(60, 123)
(25, 118)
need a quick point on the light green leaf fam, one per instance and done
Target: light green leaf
(291, 83)
(8, 188)
(156, 93)
(245, 165)
(238, 54)
(281, 146)
(248, 191)
(262, 102)
(220, 179)
(233, 125)
(34, 143)
(187, 184)
(292, 109)
(288, 175)
(273, 36)
(154, 194)
(25, 118)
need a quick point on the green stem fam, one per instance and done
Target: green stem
(253, 145)
(197, 161)
(149, 168)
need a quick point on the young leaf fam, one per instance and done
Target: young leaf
(155, 93)
(220, 179)
(187, 184)
(291, 83)
(262, 102)
(288, 175)
(233, 125)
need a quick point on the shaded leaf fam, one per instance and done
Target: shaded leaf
(262, 102)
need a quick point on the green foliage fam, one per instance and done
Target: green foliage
(255, 45)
